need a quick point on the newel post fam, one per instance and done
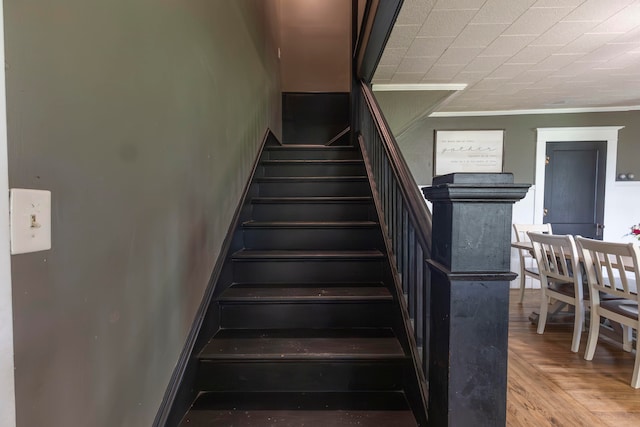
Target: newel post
(470, 275)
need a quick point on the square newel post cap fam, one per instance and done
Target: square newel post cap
(472, 220)
(475, 187)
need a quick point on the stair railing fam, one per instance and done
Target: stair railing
(405, 217)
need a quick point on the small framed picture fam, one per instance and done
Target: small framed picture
(468, 151)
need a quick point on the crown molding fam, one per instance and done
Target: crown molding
(418, 87)
(538, 111)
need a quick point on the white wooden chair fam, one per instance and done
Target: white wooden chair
(528, 266)
(613, 275)
(560, 278)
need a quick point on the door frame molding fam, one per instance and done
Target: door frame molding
(609, 134)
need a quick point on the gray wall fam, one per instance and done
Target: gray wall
(519, 139)
(143, 118)
(404, 108)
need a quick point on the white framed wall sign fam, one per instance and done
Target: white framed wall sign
(468, 151)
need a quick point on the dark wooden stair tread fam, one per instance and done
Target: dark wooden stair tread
(284, 293)
(310, 147)
(303, 284)
(314, 254)
(280, 162)
(312, 178)
(295, 409)
(356, 401)
(310, 224)
(319, 199)
(305, 344)
(298, 418)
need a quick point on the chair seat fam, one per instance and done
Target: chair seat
(623, 307)
(565, 288)
(606, 297)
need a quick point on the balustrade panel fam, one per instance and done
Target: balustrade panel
(405, 218)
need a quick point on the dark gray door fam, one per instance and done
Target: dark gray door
(574, 187)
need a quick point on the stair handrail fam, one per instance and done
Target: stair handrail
(411, 192)
(406, 225)
(340, 134)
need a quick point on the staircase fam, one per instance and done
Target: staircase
(311, 333)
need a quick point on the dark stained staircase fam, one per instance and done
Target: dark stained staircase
(310, 327)
(334, 301)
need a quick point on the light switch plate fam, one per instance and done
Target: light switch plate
(30, 220)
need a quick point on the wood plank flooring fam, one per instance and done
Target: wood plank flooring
(551, 386)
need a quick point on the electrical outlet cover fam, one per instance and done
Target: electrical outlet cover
(30, 216)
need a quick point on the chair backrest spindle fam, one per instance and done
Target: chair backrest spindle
(611, 267)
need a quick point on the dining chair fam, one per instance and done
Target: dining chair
(528, 266)
(612, 273)
(560, 278)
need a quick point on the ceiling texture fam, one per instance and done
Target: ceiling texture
(517, 54)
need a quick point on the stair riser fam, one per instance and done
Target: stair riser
(314, 189)
(302, 154)
(310, 239)
(313, 212)
(296, 271)
(313, 170)
(307, 315)
(300, 376)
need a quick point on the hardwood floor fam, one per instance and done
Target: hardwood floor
(551, 386)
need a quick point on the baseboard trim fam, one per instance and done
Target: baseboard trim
(171, 409)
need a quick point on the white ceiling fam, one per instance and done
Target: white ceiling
(519, 54)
